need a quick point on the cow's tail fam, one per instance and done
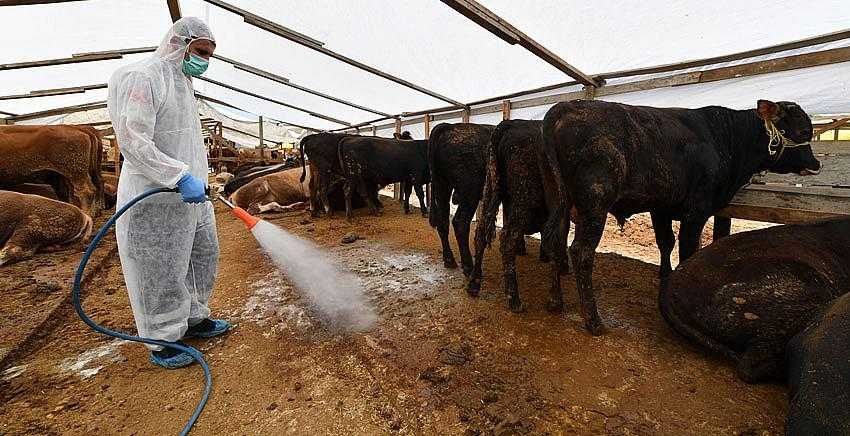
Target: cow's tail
(432, 152)
(688, 332)
(491, 198)
(303, 162)
(551, 234)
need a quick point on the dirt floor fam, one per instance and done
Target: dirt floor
(437, 362)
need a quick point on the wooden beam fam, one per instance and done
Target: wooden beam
(224, 103)
(788, 205)
(833, 125)
(311, 43)
(250, 134)
(510, 34)
(60, 111)
(284, 81)
(807, 42)
(174, 9)
(278, 102)
(77, 58)
(56, 91)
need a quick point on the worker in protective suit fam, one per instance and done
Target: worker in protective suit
(167, 243)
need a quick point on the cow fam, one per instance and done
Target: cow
(369, 163)
(676, 164)
(514, 179)
(244, 178)
(322, 149)
(67, 158)
(29, 223)
(277, 191)
(775, 301)
(819, 376)
(456, 158)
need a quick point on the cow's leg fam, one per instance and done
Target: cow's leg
(589, 228)
(324, 190)
(18, 247)
(347, 191)
(665, 239)
(407, 188)
(461, 224)
(722, 227)
(367, 191)
(439, 219)
(421, 195)
(512, 238)
(315, 200)
(690, 234)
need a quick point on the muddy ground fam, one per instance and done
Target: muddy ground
(437, 362)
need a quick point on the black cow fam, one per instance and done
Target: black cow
(369, 163)
(514, 180)
(322, 149)
(456, 155)
(677, 164)
(242, 179)
(819, 376)
(777, 302)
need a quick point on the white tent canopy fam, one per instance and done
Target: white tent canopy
(431, 45)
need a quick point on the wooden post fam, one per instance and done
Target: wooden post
(117, 157)
(427, 136)
(261, 135)
(396, 186)
(374, 130)
(835, 133)
(506, 110)
(464, 117)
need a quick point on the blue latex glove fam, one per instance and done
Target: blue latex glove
(192, 189)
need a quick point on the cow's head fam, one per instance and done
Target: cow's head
(403, 135)
(789, 131)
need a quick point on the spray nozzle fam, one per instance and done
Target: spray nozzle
(249, 220)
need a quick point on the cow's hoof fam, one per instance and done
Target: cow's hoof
(473, 288)
(450, 263)
(555, 306)
(407, 211)
(516, 305)
(595, 327)
(467, 271)
(424, 211)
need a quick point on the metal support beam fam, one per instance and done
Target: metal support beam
(224, 103)
(278, 102)
(174, 9)
(510, 34)
(32, 2)
(59, 111)
(52, 92)
(284, 81)
(313, 44)
(77, 58)
(249, 134)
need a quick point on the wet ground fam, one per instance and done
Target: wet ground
(437, 362)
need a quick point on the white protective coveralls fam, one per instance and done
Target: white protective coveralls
(168, 248)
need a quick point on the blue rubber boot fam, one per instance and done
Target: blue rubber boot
(170, 358)
(208, 328)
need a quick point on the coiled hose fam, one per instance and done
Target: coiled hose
(78, 278)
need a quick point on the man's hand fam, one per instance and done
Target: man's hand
(192, 189)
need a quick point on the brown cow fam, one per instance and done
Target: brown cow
(276, 191)
(66, 157)
(29, 223)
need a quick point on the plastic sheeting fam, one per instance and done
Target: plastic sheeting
(431, 45)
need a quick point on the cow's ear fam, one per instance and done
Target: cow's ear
(768, 110)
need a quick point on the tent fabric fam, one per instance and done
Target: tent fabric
(431, 45)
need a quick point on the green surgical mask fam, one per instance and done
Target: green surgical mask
(195, 65)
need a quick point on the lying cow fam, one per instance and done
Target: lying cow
(369, 163)
(514, 179)
(66, 157)
(771, 300)
(240, 180)
(30, 223)
(278, 191)
(322, 149)
(677, 164)
(456, 154)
